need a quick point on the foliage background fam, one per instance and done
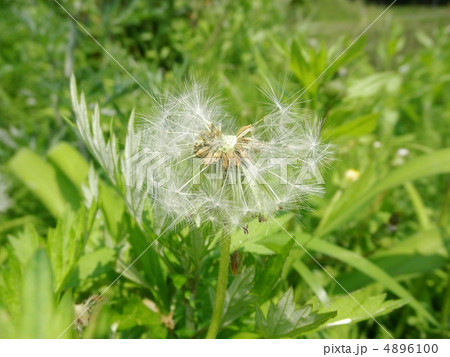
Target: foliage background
(385, 237)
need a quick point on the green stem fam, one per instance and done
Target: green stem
(221, 288)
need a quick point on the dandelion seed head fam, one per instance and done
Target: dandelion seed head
(193, 159)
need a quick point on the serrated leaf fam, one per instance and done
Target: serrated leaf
(24, 244)
(348, 312)
(285, 319)
(91, 266)
(65, 244)
(370, 269)
(10, 284)
(22, 248)
(238, 299)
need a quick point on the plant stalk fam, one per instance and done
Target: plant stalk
(221, 288)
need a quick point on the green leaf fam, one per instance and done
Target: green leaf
(368, 268)
(286, 320)
(151, 267)
(348, 312)
(351, 53)
(359, 195)
(245, 335)
(22, 248)
(70, 162)
(63, 318)
(99, 325)
(131, 273)
(418, 205)
(357, 127)
(91, 266)
(134, 313)
(11, 284)
(113, 207)
(65, 244)
(309, 64)
(17, 222)
(37, 298)
(301, 67)
(424, 39)
(7, 327)
(25, 244)
(387, 83)
(52, 188)
(421, 253)
(309, 279)
(178, 280)
(238, 298)
(263, 238)
(270, 274)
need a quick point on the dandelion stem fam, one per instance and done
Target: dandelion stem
(221, 288)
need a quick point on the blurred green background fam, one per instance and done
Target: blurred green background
(386, 107)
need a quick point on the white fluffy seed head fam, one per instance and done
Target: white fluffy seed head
(196, 164)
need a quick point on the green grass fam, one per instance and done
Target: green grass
(68, 232)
